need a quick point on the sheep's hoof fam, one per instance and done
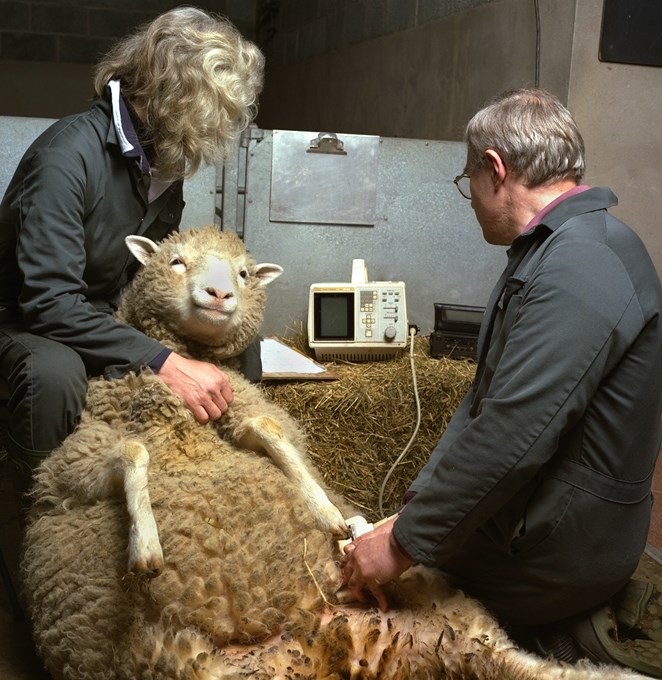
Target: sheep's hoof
(145, 556)
(330, 519)
(145, 552)
(149, 568)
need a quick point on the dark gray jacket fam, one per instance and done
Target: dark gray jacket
(551, 453)
(63, 220)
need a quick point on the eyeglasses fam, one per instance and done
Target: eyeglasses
(463, 186)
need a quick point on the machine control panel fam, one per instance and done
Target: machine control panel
(357, 321)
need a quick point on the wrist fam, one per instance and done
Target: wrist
(156, 364)
(403, 556)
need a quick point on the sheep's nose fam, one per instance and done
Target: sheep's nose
(219, 294)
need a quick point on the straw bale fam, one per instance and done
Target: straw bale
(359, 424)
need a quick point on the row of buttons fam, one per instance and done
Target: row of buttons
(370, 320)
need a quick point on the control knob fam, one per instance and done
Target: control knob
(389, 333)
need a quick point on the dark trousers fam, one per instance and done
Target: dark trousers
(47, 384)
(531, 591)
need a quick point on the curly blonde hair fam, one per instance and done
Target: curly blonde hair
(193, 79)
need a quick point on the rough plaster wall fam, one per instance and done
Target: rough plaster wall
(617, 107)
(557, 24)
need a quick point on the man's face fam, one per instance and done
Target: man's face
(492, 204)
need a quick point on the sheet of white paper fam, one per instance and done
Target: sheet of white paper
(279, 358)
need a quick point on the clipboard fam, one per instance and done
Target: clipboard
(282, 362)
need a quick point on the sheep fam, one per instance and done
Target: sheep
(233, 565)
(211, 309)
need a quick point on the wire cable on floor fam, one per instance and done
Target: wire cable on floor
(403, 453)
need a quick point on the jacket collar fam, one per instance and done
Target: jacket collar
(127, 136)
(595, 198)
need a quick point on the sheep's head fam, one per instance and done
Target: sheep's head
(198, 285)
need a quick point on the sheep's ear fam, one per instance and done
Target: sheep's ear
(142, 248)
(266, 272)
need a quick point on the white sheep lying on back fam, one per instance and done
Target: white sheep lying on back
(233, 565)
(205, 304)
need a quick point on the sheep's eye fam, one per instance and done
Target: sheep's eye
(178, 264)
(244, 273)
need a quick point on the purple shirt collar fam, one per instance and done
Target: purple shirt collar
(580, 188)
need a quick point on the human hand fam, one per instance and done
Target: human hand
(203, 387)
(372, 560)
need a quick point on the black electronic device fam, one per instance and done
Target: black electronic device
(455, 333)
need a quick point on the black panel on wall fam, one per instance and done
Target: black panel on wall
(632, 32)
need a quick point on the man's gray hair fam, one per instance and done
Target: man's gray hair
(535, 135)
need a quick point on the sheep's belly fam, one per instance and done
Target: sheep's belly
(350, 642)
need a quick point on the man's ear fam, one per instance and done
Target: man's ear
(497, 166)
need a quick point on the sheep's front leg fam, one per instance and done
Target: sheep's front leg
(145, 552)
(264, 433)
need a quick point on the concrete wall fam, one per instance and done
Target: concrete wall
(618, 107)
(48, 49)
(78, 32)
(44, 90)
(422, 82)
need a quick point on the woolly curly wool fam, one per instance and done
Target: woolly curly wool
(228, 575)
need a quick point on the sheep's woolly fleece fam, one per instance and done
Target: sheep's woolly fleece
(249, 582)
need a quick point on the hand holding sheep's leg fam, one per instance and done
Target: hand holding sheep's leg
(145, 553)
(263, 433)
(372, 560)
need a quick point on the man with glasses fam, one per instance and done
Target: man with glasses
(537, 499)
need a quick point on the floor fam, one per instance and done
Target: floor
(655, 533)
(18, 660)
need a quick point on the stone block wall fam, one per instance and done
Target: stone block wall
(79, 31)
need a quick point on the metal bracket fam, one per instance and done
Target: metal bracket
(327, 142)
(251, 133)
(230, 210)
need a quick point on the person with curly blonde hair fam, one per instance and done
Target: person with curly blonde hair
(170, 97)
(192, 80)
